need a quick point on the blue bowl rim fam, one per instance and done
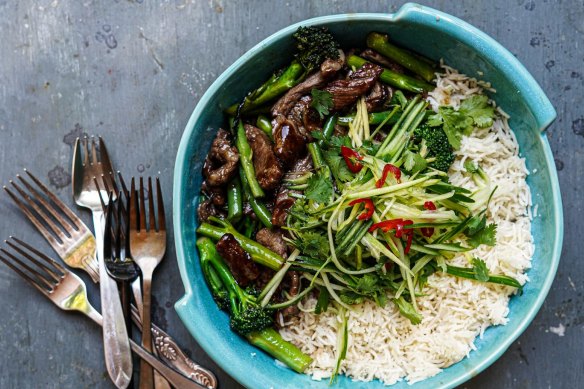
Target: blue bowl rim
(536, 99)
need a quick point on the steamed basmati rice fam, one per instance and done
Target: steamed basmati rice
(386, 346)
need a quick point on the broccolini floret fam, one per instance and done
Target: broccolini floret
(434, 139)
(314, 45)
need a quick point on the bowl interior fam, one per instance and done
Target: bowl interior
(435, 35)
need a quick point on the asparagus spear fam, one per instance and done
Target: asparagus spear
(380, 43)
(397, 80)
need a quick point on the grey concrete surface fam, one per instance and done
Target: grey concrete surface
(132, 71)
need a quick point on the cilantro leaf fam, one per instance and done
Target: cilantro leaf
(408, 310)
(322, 102)
(368, 283)
(338, 166)
(319, 189)
(479, 109)
(338, 141)
(476, 224)
(312, 244)
(481, 272)
(474, 111)
(487, 235)
(414, 162)
(351, 298)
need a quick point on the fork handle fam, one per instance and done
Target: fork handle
(146, 373)
(118, 357)
(176, 379)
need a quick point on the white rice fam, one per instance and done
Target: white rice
(386, 346)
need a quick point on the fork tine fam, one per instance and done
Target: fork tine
(101, 200)
(33, 219)
(133, 211)
(94, 160)
(127, 225)
(51, 266)
(86, 147)
(161, 218)
(37, 276)
(75, 221)
(107, 233)
(64, 223)
(124, 188)
(142, 207)
(40, 213)
(151, 219)
(25, 276)
(118, 231)
(104, 155)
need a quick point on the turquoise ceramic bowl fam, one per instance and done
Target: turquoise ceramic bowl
(436, 35)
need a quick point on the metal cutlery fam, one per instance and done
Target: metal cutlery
(68, 292)
(93, 165)
(77, 249)
(116, 254)
(148, 245)
(66, 233)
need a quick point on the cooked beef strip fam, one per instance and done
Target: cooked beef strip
(238, 260)
(283, 201)
(374, 56)
(216, 194)
(289, 142)
(206, 209)
(346, 92)
(292, 129)
(267, 167)
(274, 240)
(306, 118)
(221, 163)
(328, 69)
(377, 97)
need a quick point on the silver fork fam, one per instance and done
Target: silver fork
(77, 249)
(118, 357)
(147, 245)
(68, 292)
(68, 236)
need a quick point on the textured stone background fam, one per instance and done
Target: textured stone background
(132, 71)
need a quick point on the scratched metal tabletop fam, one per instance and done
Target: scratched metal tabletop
(132, 71)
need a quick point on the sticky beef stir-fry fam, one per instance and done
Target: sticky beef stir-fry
(329, 181)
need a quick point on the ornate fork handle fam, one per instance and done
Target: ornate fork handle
(170, 352)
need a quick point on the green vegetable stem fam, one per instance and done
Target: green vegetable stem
(261, 211)
(380, 43)
(247, 317)
(258, 253)
(245, 159)
(234, 200)
(397, 80)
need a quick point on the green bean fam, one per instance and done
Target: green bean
(234, 200)
(374, 118)
(259, 253)
(261, 211)
(328, 129)
(245, 159)
(264, 124)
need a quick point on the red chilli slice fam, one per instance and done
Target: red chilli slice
(368, 210)
(389, 168)
(428, 231)
(351, 159)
